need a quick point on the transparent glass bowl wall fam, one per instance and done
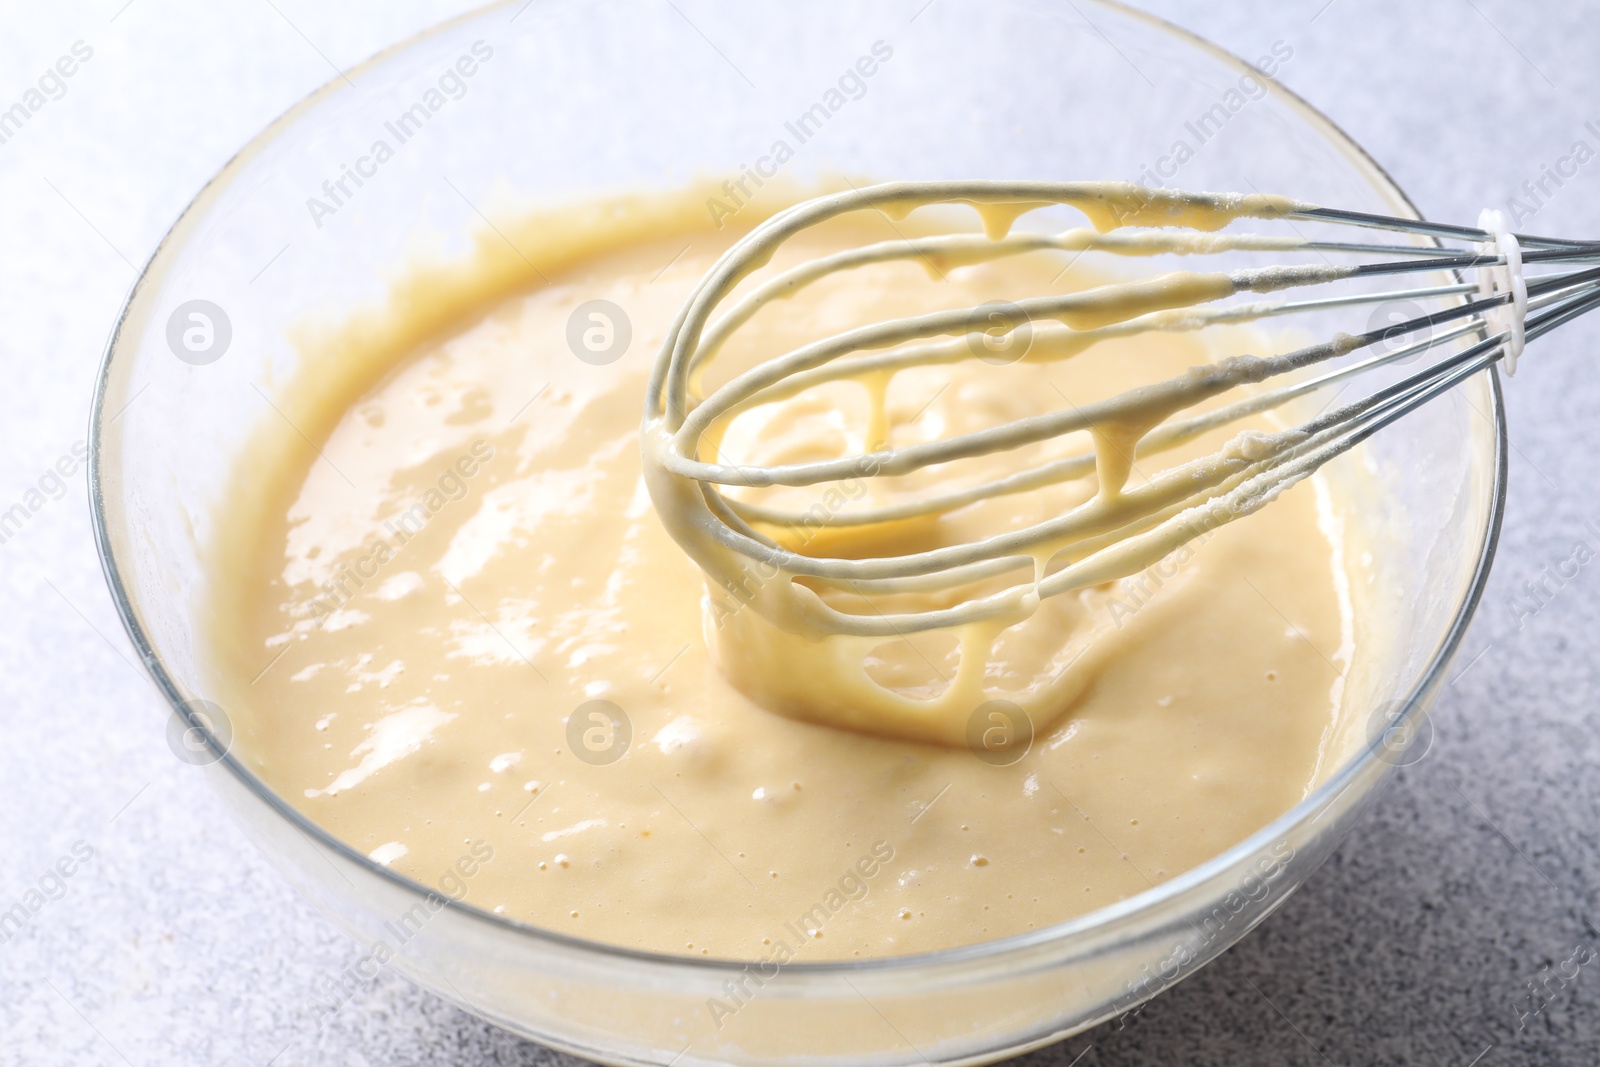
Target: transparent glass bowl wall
(571, 100)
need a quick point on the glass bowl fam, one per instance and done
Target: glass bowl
(548, 102)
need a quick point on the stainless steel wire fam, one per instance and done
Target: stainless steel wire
(1087, 543)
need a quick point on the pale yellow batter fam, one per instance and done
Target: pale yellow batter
(406, 618)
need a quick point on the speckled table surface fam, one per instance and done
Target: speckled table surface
(171, 941)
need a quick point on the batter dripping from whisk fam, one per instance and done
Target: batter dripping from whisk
(435, 675)
(826, 611)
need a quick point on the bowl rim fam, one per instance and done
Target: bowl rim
(1412, 705)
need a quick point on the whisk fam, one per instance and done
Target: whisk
(996, 580)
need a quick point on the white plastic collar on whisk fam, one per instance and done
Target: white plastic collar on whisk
(1504, 278)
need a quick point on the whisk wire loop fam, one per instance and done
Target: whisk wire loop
(1118, 530)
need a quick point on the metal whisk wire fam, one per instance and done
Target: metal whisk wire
(1091, 543)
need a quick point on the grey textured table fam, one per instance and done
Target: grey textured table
(175, 943)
